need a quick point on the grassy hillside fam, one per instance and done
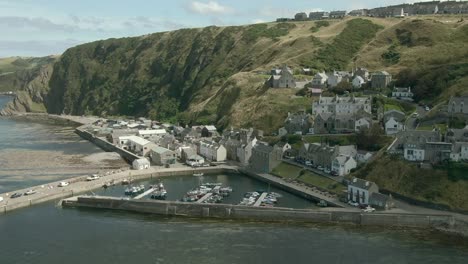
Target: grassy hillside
(217, 74)
(17, 72)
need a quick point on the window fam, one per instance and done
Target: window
(410, 152)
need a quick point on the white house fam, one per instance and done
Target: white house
(137, 145)
(360, 190)
(358, 82)
(392, 126)
(212, 151)
(343, 165)
(141, 164)
(402, 93)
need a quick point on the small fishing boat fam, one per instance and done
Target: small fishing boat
(159, 192)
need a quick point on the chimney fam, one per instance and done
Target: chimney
(367, 184)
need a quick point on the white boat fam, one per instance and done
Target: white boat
(63, 184)
(198, 174)
(1, 199)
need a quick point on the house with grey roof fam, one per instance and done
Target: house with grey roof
(456, 135)
(162, 156)
(458, 105)
(394, 121)
(422, 146)
(358, 13)
(320, 154)
(320, 80)
(283, 78)
(381, 201)
(341, 105)
(459, 152)
(298, 123)
(319, 15)
(360, 190)
(301, 17)
(209, 131)
(338, 14)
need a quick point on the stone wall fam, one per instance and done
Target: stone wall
(225, 211)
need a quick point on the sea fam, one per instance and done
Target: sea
(50, 234)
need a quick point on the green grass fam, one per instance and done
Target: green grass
(441, 127)
(389, 107)
(286, 170)
(341, 140)
(322, 182)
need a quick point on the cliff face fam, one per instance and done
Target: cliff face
(31, 86)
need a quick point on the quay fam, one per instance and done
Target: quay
(144, 194)
(265, 214)
(260, 199)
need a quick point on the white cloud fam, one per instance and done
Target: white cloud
(208, 8)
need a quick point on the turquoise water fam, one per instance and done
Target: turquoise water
(49, 234)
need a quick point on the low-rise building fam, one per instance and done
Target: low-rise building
(341, 105)
(360, 190)
(456, 135)
(152, 135)
(363, 156)
(162, 156)
(337, 14)
(141, 164)
(319, 15)
(402, 93)
(358, 13)
(358, 82)
(187, 152)
(459, 152)
(301, 17)
(195, 161)
(244, 151)
(394, 121)
(209, 131)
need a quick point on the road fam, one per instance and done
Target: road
(411, 121)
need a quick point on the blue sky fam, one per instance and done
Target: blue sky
(43, 27)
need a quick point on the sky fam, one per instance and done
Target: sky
(46, 27)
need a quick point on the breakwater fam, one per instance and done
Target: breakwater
(236, 212)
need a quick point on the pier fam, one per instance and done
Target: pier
(144, 194)
(260, 199)
(205, 197)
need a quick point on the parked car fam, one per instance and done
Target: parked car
(92, 177)
(427, 108)
(353, 203)
(63, 184)
(327, 171)
(308, 163)
(369, 209)
(30, 192)
(320, 168)
(16, 195)
(334, 173)
(415, 114)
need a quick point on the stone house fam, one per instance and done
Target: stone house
(338, 14)
(298, 123)
(394, 121)
(421, 146)
(360, 190)
(187, 152)
(324, 123)
(301, 17)
(343, 165)
(162, 156)
(117, 133)
(265, 158)
(358, 13)
(380, 80)
(380, 201)
(320, 80)
(285, 148)
(402, 93)
(323, 155)
(319, 15)
(456, 135)
(458, 105)
(283, 79)
(244, 151)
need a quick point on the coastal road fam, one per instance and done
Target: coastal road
(411, 123)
